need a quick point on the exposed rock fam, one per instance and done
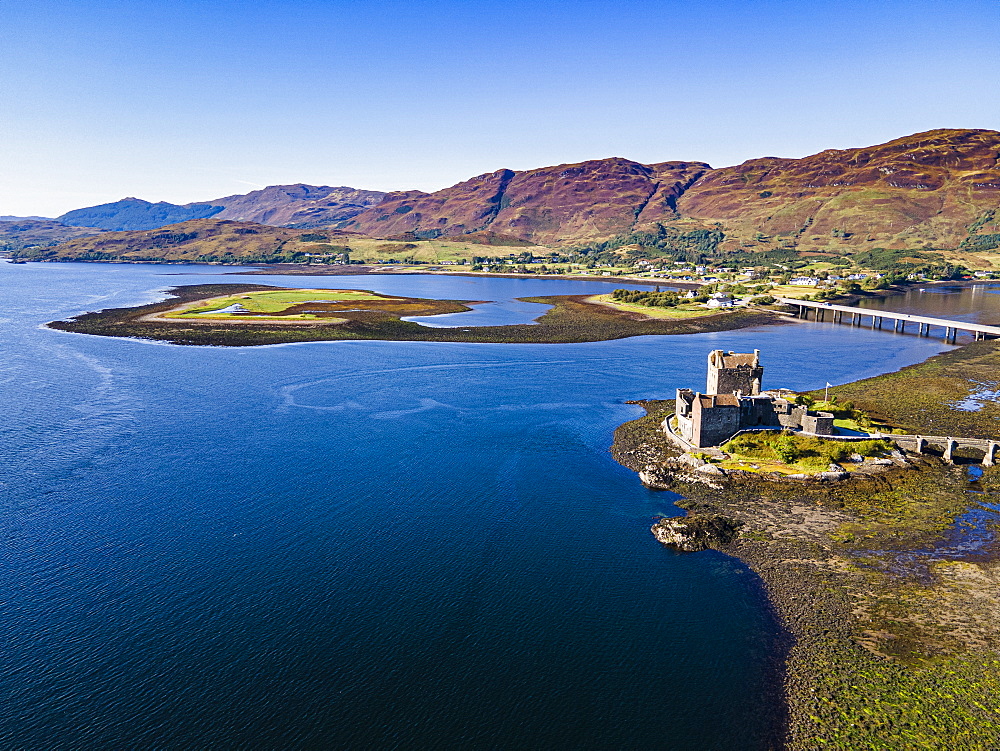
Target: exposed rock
(696, 531)
(833, 475)
(654, 479)
(710, 469)
(690, 460)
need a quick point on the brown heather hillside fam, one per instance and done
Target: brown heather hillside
(568, 203)
(194, 240)
(299, 205)
(213, 240)
(939, 189)
(23, 232)
(928, 188)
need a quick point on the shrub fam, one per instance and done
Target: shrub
(650, 299)
(786, 450)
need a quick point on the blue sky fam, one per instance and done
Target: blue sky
(183, 101)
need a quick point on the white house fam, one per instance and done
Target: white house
(720, 302)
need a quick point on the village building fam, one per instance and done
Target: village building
(733, 401)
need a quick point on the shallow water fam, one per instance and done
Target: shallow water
(364, 544)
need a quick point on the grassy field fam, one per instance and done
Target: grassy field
(922, 398)
(426, 251)
(791, 291)
(787, 453)
(682, 311)
(272, 304)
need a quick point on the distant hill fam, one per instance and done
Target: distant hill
(298, 205)
(136, 214)
(216, 240)
(21, 232)
(198, 240)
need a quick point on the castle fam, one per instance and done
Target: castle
(733, 402)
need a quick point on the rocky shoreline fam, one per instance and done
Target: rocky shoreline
(849, 566)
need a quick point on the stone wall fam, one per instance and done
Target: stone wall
(714, 425)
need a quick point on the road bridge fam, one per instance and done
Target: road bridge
(878, 318)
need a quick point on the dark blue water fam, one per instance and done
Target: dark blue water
(367, 545)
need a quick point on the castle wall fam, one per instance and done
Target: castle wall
(818, 423)
(729, 373)
(714, 425)
(712, 419)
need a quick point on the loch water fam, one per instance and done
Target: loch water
(365, 545)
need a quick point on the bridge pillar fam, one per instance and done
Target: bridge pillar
(991, 454)
(921, 444)
(895, 325)
(950, 444)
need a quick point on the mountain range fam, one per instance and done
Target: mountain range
(938, 189)
(925, 189)
(279, 205)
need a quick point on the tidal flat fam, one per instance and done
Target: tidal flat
(889, 585)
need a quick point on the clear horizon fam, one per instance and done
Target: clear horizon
(189, 101)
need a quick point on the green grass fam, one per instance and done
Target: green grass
(679, 312)
(918, 398)
(862, 702)
(271, 302)
(801, 452)
(426, 251)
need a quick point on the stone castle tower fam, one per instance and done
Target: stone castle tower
(731, 372)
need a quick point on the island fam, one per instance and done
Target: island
(249, 314)
(879, 554)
